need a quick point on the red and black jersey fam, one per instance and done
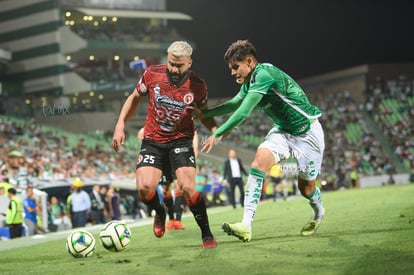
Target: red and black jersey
(168, 116)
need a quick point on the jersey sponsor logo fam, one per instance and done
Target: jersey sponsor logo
(163, 100)
(169, 111)
(181, 150)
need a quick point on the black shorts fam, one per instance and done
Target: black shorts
(167, 156)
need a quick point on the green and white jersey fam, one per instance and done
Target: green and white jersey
(283, 99)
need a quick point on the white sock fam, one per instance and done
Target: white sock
(315, 201)
(252, 195)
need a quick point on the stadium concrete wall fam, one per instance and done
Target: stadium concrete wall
(77, 122)
(372, 181)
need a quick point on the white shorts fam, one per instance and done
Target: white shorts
(307, 149)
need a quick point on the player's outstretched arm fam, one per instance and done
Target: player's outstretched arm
(242, 112)
(128, 109)
(210, 123)
(224, 108)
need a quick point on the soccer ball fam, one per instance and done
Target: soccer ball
(80, 244)
(115, 236)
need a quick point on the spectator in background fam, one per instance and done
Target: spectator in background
(4, 202)
(97, 209)
(14, 215)
(217, 188)
(30, 212)
(81, 204)
(57, 214)
(104, 198)
(18, 174)
(233, 172)
(6, 185)
(113, 199)
(4, 172)
(353, 175)
(276, 177)
(69, 204)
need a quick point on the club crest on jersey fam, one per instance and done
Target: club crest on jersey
(142, 88)
(188, 98)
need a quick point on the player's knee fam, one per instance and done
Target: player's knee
(146, 187)
(263, 160)
(260, 165)
(306, 186)
(188, 189)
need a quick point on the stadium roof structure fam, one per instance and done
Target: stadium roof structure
(135, 13)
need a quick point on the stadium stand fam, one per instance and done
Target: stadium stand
(79, 51)
(71, 63)
(395, 99)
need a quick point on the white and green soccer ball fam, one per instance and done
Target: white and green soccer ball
(80, 243)
(115, 236)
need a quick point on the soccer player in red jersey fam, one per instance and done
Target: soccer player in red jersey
(173, 92)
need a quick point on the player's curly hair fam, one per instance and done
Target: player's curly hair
(239, 50)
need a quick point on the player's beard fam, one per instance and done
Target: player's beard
(175, 78)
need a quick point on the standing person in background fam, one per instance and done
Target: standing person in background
(104, 198)
(97, 208)
(233, 172)
(69, 209)
(217, 188)
(30, 211)
(18, 174)
(296, 133)
(276, 177)
(113, 201)
(57, 214)
(6, 185)
(14, 215)
(173, 93)
(4, 203)
(81, 204)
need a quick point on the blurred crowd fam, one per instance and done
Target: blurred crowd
(28, 151)
(395, 100)
(31, 152)
(352, 149)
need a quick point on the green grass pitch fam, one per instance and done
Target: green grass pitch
(365, 231)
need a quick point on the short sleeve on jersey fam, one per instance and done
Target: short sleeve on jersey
(261, 82)
(142, 89)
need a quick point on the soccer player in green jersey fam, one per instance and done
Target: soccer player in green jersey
(296, 133)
